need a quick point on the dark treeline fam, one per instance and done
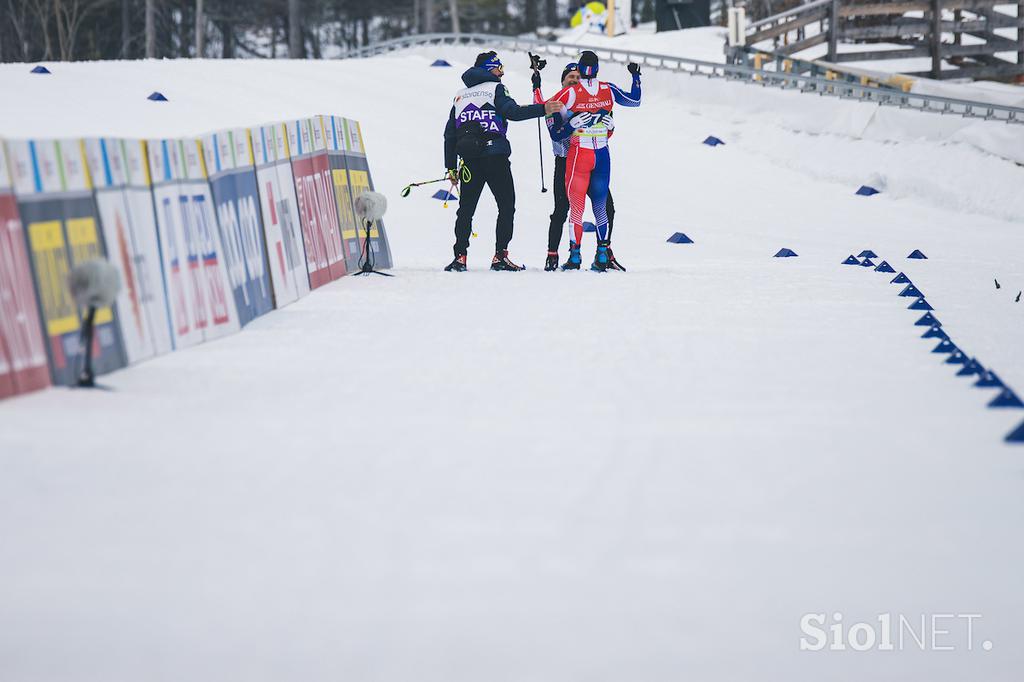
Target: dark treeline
(43, 30)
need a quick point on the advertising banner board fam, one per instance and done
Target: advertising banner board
(120, 173)
(278, 206)
(54, 190)
(229, 161)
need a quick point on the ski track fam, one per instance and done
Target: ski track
(647, 475)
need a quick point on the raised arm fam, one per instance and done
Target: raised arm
(627, 99)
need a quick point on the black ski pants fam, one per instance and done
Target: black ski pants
(561, 213)
(496, 173)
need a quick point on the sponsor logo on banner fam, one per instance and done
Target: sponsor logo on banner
(22, 349)
(196, 280)
(319, 218)
(56, 205)
(129, 230)
(361, 181)
(235, 194)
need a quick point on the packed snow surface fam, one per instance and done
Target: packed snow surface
(646, 476)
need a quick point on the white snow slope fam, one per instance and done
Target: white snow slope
(644, 476)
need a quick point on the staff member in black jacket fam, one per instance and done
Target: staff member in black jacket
(476, 131)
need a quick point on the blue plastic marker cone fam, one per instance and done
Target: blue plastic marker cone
(440, 62)
(920, 304)
(1006, 398)
(988, 379)
(786, 253)
(157, 97)
(589, 227)
(917, 254)
(928, 320)
(884, 267)
(1017, 435)
(679, 238)
(867, 253)
(972, 367)
(851, 260)
(945, 346)
(935, 333)
(866, 263)
(911, 290)
(712, 141)
(957, 357)
(444, 195)
(40, 69)
(900, 279)
(867, 191)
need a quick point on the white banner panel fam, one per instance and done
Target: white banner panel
(121, 178)
(197, 285)
(281, 225)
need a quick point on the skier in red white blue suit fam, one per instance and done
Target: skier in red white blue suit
(588, 164)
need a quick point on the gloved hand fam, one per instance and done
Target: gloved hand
(535, 79)
(633, 68)
(453, 175)
(581, 120)
(536, 63)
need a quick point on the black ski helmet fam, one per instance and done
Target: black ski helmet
(588, 64)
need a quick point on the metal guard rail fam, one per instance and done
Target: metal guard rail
(695, 67)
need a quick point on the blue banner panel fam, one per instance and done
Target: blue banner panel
(237, 203)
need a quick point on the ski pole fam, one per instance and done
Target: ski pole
(408, 188)
(540, 149)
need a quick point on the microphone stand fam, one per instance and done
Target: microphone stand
(366, 267)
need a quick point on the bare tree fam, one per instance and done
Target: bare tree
(200, 30)
(428, 16)
(150, 29)
(551, 12)
(294, 29)
(453, 9)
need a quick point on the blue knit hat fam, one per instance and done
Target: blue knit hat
(488, 60)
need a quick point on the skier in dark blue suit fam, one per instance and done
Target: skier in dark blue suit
(476, 131)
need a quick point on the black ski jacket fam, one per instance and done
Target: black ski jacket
(506, 109)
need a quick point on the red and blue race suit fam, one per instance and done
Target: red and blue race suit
(589, 127)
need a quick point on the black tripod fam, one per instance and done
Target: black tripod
(86, 378)
(366, 267)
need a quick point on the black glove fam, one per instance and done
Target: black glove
(633, 68)
(536, 63)
(535, 79)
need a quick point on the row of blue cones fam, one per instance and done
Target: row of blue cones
(969, 366)
(154, 97)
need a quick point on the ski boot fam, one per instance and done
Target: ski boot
(612, 263)
(500, 262)
(574, 257)
(600, 263)
(457, 265)
(551, 263)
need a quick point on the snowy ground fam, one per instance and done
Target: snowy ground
(544, 476)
